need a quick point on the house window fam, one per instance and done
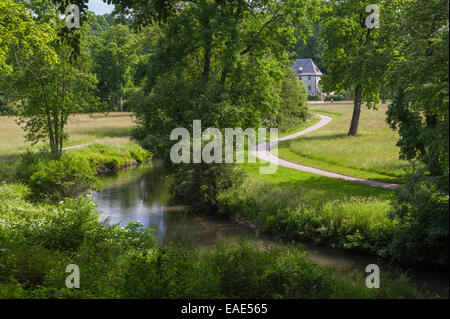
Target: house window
(309, 78)
(309, 87)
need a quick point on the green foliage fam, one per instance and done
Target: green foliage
(341, 96)
(419, 111)
(420, 85)
(226, 66)
(62, 178)
(22, 37)
(357, 56)
(74, 172)
(351, 223)
(37, 242)
(48, 93)
(293, 109)
(28, 164)
(314, 97)
(111, 156)
(314, 46)
(5, 109)
(114, 53)
(421, 210)
(222, 64)
(200, 184)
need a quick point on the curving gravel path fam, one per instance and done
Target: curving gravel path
(262, 151)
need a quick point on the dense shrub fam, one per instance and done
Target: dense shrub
(293, 107)
(341, 96)
(200, 184)
(28, 164)
(75, 171)
(314, 97)
(109, 156)
(422, 211)
(65, 177)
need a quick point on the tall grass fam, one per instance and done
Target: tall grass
(350, 222)
(82, 128)
(75, 171)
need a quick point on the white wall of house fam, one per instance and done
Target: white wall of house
(312, 83)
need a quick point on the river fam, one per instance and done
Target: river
(141, 194)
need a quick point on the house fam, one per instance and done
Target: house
(309, 73)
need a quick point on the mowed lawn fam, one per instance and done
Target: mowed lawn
(372, 155)
(82, 128)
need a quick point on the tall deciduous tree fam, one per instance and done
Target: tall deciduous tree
(230, 59)
(115, 54)
(419, 81)
(419, 85)
(356, 54)
(49, 93)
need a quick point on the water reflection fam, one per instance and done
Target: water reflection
(141, 194)
(137, 194)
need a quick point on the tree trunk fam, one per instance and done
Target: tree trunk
(207, 63)
(433, 148)
(356, 111)
(121, 96)
(383, 94)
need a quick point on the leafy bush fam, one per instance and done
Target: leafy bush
(293, 109)
(155, 144)
(421, 209)
(58, 179)
(341, 96)
(110, 156)
(314, 97)
(74, 173)
(28, 164)
(200, 184)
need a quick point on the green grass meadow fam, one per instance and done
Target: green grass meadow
(372, 155)
(82, 128)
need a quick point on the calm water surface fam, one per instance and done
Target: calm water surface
(141, 194)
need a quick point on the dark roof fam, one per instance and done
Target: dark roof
(308, 67)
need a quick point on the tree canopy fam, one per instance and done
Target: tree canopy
(356, 55)
(418, 79)
(21, 36)
(47, 91)
(221, 63)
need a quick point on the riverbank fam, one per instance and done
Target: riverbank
(60, 231)
(39, 240)
(81, 129)
(142, 194)
(75, 171)
(307, 207)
